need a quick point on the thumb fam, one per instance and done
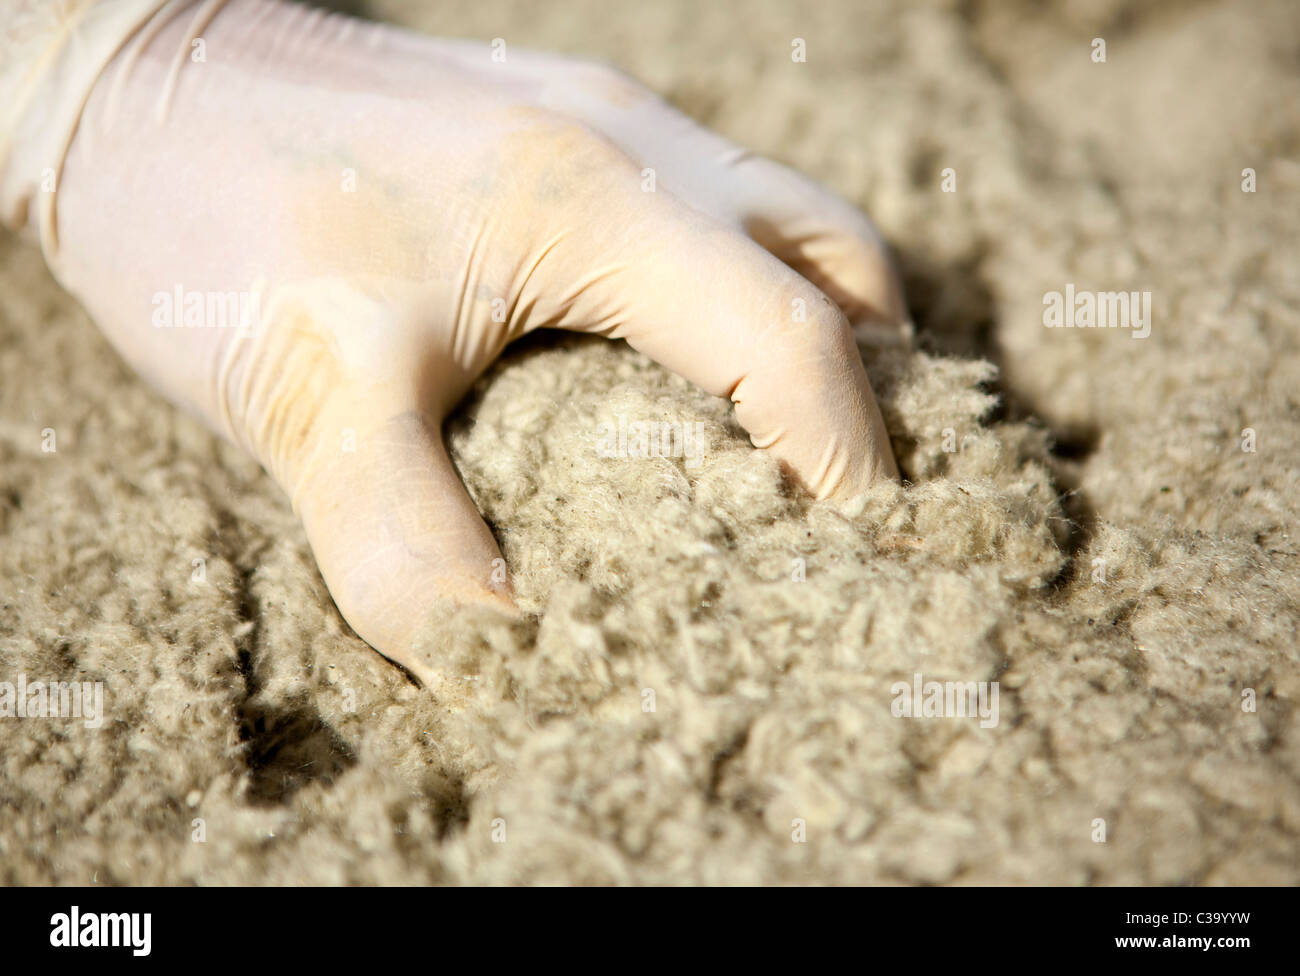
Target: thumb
(336, 401)
(395, 533)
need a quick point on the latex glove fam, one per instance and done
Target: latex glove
(382, 195)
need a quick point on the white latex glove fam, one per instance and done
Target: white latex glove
(382, 194)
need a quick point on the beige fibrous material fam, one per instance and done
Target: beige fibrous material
(1104, 526)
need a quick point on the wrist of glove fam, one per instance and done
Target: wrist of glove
(51, 56)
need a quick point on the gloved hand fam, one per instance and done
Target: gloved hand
(394, 210)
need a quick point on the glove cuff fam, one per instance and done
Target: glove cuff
(51, 54)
